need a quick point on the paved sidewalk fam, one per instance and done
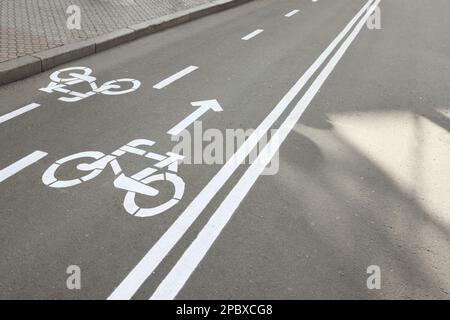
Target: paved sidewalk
(31, 26)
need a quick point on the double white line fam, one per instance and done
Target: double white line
(177, 277)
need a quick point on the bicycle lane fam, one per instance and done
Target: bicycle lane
(363, 182)
(48, 229)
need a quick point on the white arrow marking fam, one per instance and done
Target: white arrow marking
(203, 107)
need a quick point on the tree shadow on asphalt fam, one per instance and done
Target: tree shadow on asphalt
(378, 222)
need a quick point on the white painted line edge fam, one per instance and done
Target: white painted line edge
(252, 34)
(290, 14)
(18, 112)
(21, 164)
(139, 274)
(164, 83)
(180, 273)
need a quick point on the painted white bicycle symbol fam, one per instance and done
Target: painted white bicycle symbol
(139, 183)
(63, 78)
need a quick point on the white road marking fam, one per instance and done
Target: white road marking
(18, 112)
(252, 34)
(175, 77)
(128, 287)
(61, 84)
(180, 273)
(290, 14)
(21, 164)
(203, 106)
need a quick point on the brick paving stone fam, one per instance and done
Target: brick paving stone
(30, 26)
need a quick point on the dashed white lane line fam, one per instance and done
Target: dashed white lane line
(180, 273)
(139, 274)
(18, 112)
(21, 164)
(175, 77)
(290, 14)
(252, 34)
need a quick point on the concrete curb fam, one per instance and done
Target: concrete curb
(26, 66)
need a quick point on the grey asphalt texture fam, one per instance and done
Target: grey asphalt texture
(347, 194)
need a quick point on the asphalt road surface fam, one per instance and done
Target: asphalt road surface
(361, 160)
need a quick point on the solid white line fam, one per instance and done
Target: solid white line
(253, 34)
(290, 14)
(162, 247)
(21, 164)
(18, 112)
(180, 273)
(175, 77)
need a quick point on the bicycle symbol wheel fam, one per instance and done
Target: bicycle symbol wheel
(49, 176)
(113, 87)
(56, 76)
(132, 208)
